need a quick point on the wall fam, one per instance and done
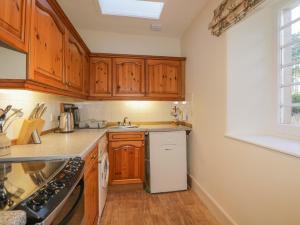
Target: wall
(136, 111)
(108, 42)
(12, 64)
(27, 100)
(252, 72)
(242, 183)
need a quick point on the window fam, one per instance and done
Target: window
(290, 65)
(132, 8)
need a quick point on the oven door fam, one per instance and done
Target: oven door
(72, 212)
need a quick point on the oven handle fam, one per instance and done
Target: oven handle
(67, 218)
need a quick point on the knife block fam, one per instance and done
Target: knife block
(28, 127)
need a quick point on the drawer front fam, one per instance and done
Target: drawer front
(127, 136)
(91, 159)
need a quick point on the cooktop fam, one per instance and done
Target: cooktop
(19, 180)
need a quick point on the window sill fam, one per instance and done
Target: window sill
(279, 144)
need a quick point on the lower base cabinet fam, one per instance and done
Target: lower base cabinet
(91, 191)
(126, 157)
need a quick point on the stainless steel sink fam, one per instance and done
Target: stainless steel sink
(126, 126)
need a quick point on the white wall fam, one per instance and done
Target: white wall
(12, 64)
(253, 185)
(108, 42)
(252, 72)
(27, 100)
(136, 111)
(112, 111)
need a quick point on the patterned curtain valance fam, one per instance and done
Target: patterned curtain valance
(229, 13)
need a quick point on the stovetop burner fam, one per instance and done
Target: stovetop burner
(5, 198)
(20, 179)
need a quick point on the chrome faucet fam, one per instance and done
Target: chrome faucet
(125, 121)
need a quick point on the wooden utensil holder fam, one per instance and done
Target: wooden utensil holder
(28, 127)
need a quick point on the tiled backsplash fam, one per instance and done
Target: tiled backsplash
(113, 111)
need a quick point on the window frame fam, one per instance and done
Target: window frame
(284, 128)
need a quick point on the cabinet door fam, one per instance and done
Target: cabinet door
(101, 77)
(86, 74)
(128, 77)
(91, 191)
(14, 23)
(165, 78)
(46, 54)
(75, 63)
(126, 162)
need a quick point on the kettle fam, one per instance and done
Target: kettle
(66, 122)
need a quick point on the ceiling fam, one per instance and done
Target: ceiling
(176, 17)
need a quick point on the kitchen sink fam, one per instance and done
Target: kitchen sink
(126, 126)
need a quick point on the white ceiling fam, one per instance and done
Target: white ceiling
(176, 17)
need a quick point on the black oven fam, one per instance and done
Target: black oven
(72, 212)
(50, 192)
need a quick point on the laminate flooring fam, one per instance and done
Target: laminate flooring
(133, 206)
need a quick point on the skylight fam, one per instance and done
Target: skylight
(132, 8)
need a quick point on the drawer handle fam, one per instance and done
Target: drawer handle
(168, 149)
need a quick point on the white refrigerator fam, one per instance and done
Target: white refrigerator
(168, 161)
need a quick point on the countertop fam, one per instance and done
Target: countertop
(12, 218)
(151, 128)
(57, 146)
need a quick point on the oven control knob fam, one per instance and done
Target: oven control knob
(59, 184)
(50, 191)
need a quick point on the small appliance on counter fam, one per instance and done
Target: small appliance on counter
(66, 107)
(66, 122)
(50, 192)
(93, 124)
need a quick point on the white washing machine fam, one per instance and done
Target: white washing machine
(103, 172)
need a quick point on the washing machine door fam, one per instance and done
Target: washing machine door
(104, 170)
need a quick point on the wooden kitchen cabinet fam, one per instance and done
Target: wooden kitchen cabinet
(126, 156)
(165, 78)
(14, 23)
(86, 75)
(91, 198)
(101, 77)
(47, 46)
(74, 65)
(128, 77)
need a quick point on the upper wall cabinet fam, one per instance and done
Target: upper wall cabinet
(14, 23)
(47, 46)
(86, 74)
(74, 65)
(101, 77)
(165, 78)
(128, 77)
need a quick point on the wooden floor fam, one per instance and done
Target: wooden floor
(133, 206)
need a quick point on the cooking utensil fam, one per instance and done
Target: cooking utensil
(42, 112)
(17, 114)
(1, 112)
(39, 110)
(3, 115)
(32, 114)
(7, 109)
(4, 112)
